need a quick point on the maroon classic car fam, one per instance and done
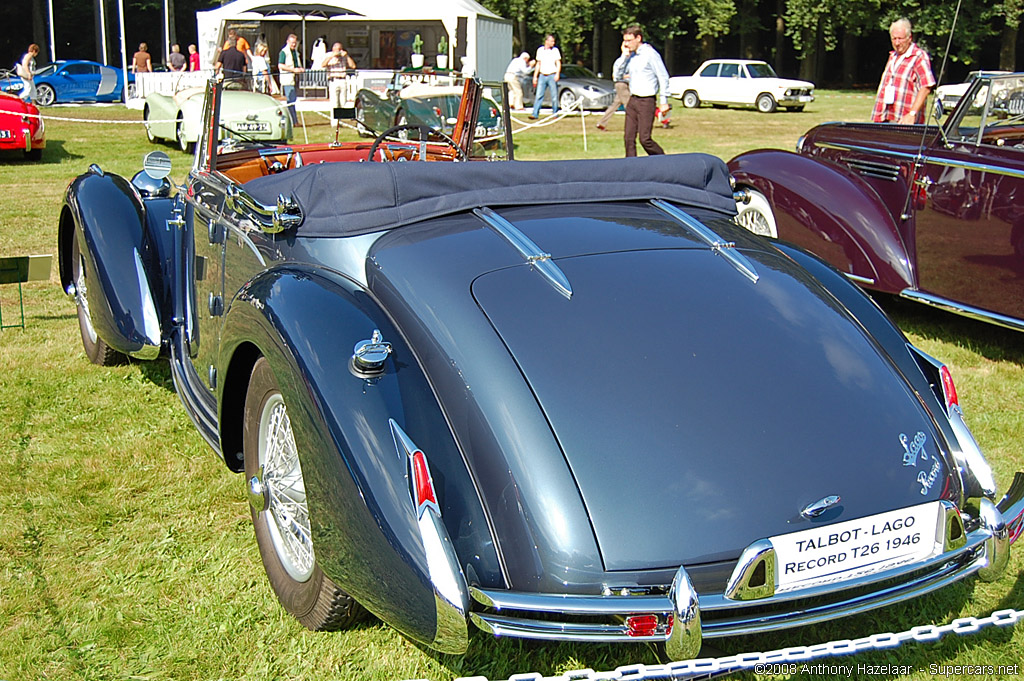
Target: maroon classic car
(933, 213)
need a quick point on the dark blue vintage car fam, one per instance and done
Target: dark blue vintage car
(520, 396)
(74, 80)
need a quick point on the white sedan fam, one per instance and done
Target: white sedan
(740, 82)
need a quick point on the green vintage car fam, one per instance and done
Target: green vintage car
(432, 101)
(245, 115)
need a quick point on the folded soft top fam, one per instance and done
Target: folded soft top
(343, 199)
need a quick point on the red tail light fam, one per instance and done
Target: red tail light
(423, 485)
(948, 389)
(642, 625)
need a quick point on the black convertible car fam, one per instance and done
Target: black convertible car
(521, 396)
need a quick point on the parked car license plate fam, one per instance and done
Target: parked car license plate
(260, 126)
(856, 547)
(5, 134)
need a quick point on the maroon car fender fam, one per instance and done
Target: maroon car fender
(831, 213)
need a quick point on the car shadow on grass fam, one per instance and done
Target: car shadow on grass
(995, 343)
(54, 153)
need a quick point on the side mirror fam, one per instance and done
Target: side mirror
(940, 110)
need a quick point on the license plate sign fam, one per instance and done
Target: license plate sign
(260, 126)
(6, 134)
(856, 547)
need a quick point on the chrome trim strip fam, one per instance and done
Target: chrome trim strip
(857, 279)
(568, 603)
(726, 249)
(527, 248)
(983, 167)
(451, 634)
(499, 625)
(962, 309)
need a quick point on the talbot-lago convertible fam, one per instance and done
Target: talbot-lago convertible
(520, 396)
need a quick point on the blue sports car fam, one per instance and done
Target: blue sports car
(72, 81)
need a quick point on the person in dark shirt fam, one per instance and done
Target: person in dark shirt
(232, 62)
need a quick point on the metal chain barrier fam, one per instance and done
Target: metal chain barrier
(765, 662)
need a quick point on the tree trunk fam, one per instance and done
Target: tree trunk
(40, 31)
(780, 35)
(809, 56)
(521, 25)
(595, 50)
(172, 32)
(670, 52)
(747, 11)
(707, 48)
(849, 58)
(1008, 49)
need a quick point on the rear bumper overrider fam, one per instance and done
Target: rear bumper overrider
(682, 618)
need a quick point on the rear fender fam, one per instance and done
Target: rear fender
(829, 212)
(367, 534)
(120, 259)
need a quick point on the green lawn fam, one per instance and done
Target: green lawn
(126, 550)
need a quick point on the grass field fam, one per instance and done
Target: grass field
(126, 550)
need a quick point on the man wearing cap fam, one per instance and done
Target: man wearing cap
(517, 67)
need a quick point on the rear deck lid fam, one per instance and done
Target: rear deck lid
(698, 410)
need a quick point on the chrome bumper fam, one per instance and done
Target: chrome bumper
(604, 618)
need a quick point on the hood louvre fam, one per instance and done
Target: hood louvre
(530, 251)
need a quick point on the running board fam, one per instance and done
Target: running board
(961, 309)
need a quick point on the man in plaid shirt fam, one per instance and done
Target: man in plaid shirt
(906, 81)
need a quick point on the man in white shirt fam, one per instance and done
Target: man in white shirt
(546, 75)
(648, 78)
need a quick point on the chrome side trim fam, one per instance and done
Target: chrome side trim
(527, 248)
(949, 163)
(857, 279)
(726, 249)
(962, 309)
(451, 597)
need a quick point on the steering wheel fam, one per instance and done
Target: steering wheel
(425, 132)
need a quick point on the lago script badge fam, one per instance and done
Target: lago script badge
(913, 449)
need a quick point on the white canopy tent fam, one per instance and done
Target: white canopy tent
(377, 33)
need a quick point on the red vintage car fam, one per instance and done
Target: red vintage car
(933, 213)
(21, 127)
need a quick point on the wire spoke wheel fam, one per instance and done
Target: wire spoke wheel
(286, 491)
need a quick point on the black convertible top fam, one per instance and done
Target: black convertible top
(345, 199)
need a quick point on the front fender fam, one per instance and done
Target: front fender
(366, 533)
(831, 213)
(109, 219)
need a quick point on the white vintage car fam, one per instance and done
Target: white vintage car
(741, 82)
